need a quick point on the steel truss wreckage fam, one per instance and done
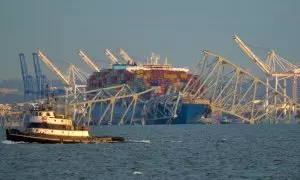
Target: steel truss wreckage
(233, 90)
(120, 105)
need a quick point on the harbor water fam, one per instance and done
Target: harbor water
(162, 152)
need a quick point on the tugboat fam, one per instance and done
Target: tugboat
(46, 126)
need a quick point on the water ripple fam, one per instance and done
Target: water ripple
(162, 152)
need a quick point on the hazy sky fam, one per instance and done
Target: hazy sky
(179, 30)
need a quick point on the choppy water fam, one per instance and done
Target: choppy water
(163, 152)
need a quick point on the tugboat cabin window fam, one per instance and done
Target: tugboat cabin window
(35, 125)
(49, 126)
(48, 114)
(40, 114)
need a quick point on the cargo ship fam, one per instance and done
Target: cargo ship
(162, 77)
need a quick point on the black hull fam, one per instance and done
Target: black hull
(19, 136)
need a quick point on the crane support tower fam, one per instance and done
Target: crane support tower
(27, 78)
(39, 77)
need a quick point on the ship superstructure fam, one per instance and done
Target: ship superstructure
(47, 122)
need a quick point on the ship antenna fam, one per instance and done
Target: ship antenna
(47, 94)
(49, 97)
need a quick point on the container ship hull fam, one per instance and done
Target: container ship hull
(186, 114)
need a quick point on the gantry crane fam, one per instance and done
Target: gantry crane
(275, 67)
(70, 80)
(40, 78)
(24, 72)
(111, 56)
(37, 70)
(88, 61)
(283, 69)
(126, 57)
(73, 74)
(264, 67)
(27, 78)
(53, 68)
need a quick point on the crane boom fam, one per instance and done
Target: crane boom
(54, 69)
(264, 67)
(88, 61)
(126, 57)
(111, 56)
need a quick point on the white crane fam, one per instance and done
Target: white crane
(278, 64)
(111, 56)
(264, 67)
(275, 67)
(74, 74)
(69, 80)
(126, 57)
(88, 61)
(53, 68)
(283, 69)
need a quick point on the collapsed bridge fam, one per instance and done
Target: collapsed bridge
(227, 87)
(215, 82)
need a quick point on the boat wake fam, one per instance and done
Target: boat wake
(176, 141)
(140, 141)
(173, 141)
(137, 173)
(12, 142)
